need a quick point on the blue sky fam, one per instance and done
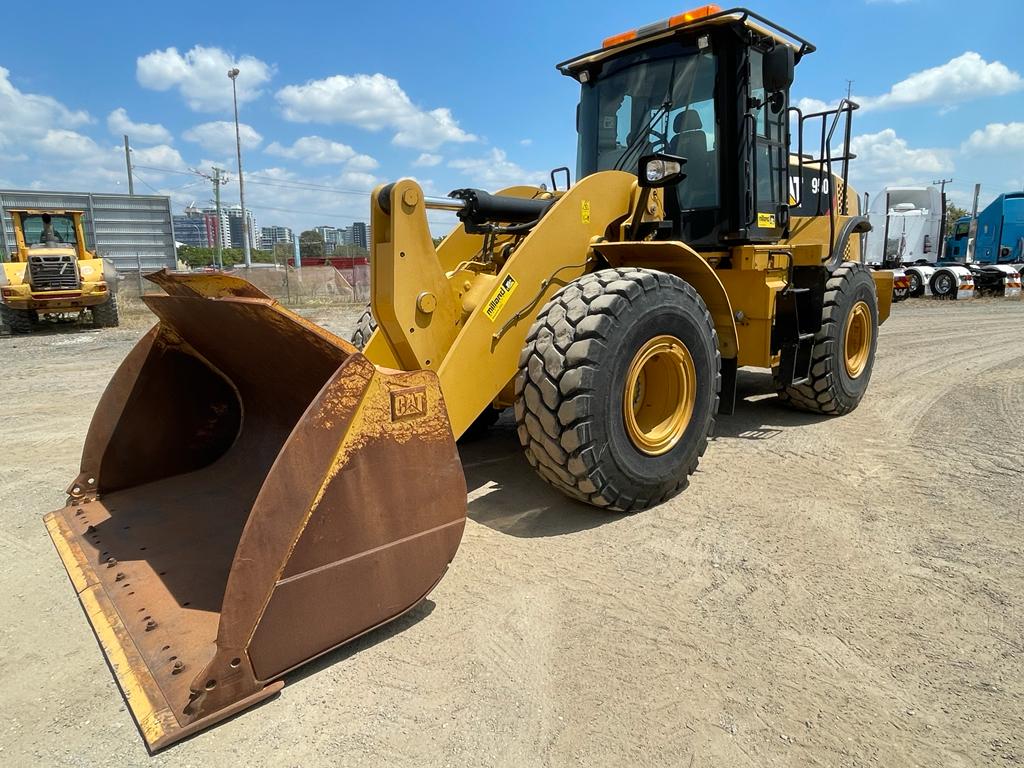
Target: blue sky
(339, 97)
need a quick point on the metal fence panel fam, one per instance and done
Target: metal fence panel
(132, 231)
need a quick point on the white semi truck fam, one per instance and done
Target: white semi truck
(906, 236)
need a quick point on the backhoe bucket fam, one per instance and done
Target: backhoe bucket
(254, 492)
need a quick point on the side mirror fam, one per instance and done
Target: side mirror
(777, 70)
(660, 170)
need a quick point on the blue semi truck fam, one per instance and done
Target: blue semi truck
(997, 245)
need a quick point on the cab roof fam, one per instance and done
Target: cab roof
(699, 18)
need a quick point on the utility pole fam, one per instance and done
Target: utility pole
(218, 246)
(218, 180)
(128, 162)
(942, 231)
(849, 90)
(233, 74)
(973, 231)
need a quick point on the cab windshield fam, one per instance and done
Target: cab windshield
(658, 99)
(48, 230)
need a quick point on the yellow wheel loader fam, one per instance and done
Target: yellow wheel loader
(52, 273)
(302, 492)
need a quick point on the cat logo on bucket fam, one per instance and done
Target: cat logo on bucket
(408, 403)
(500, 296)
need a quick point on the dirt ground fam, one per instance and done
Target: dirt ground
(833, 592)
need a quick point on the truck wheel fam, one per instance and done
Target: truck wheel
(18, 320)
(943, 284)
(618, 387)
(916, 286)
(367, 324)
(105, 315)
(844, 349)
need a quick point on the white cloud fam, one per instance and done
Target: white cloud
(316, 150)
(25, 116)
(884, 158)
(525, 142)
(495, 171)
(963, 78)
(359, 180)
(200, 75)
(59, 143)
(119, 124)
(427, 160)
(70, 160)
(996, 137)
(219, 136)
(362, 163)
(160, 156)
(373, 102)
(313, 150)
(809, 106)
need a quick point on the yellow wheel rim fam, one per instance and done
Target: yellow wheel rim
(660, 392)
(857, 347)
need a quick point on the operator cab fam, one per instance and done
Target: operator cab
(712, 87)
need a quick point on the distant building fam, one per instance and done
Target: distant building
(191, 230)
(235, 223)
(331, 237)
(271, 236)
(231, 225)
(359, 234)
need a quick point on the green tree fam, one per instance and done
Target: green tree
(283, 252)
(953, 212)
(198, 258)
(311, 244)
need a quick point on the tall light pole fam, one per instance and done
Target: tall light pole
(233, 74)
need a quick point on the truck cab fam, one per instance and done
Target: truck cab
(51, 273)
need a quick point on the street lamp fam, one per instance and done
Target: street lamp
(233, 74)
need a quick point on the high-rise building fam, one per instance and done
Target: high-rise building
(359, 234)
(196, 228)
(190, 230)
(231, 225)
(331, 235)
(235, 223)
(224, 227)
(271, 236)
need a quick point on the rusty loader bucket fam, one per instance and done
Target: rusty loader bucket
(253, 494)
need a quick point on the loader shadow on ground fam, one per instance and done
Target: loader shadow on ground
(759, 415)
(506, 495)
(413, 616)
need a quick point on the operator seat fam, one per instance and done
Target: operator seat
(700, 188)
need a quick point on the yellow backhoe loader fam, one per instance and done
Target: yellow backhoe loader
(52, 273)
(255, 491)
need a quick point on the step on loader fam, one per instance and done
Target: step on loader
(255, 491)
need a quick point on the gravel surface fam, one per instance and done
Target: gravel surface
(834, 592)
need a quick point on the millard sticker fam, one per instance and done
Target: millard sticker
(585, 211)
(408, 403)
(766, 220)
(500, 297)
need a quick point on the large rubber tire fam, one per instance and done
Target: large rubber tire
(572, 377)
(17, 320)
(916, 285)
(943, 284)
(367, 324)
(105, 315)
(831, 389)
